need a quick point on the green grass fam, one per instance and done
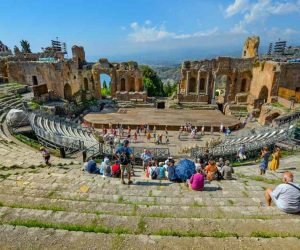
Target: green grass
(38, 207)
(259, 178)
(141, 225)
(262, 234)
(277, 105)
(231, 202)
(120, 199)
(197, 204)
(69, 227)
(1, 204)
(245, 194)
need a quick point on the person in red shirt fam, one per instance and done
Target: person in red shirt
(116, 169)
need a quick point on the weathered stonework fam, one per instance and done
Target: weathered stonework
(72, 78)
(251, 45)
(198, 78)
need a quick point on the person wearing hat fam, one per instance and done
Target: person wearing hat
(125, 155)
(46, 155)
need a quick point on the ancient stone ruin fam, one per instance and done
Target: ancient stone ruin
(74, 78)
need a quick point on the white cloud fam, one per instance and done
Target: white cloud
(237, 7)
(239, 28)
(261, 8)
(141, 33)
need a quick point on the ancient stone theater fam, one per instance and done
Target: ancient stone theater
(73, 78)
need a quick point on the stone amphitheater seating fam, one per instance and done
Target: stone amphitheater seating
(60, 132)
(69, 209)
(252, 143)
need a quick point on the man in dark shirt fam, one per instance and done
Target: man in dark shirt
(92, 166)
(125, 155)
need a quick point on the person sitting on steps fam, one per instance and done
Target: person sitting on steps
(286, 196)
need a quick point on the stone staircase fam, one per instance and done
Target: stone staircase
(64, 207)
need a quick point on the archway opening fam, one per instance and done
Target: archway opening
(221, 82)
(105, 81)
(192, 85)
(263, 94)
(68, 92)
(244, 85)
(86, 84)
(35, 80)
(202, 85)
(123, 84)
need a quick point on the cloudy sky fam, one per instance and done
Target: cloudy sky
(150, 28)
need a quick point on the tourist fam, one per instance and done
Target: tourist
(125, 156)
(148, 136)
(172, 171)
(202, 130)
(211, 170)
(135, 137)
(167, 139)
(227, 171)
(221, 163)
(274, 164)
(211, 130)
(285, 196)
(115, 169)
(242, 153)
(154, 132)
(105, 168)
(180, 132)
(46, 155)
(265, 154)
(162, 171)
(221, 128)
(92, 166)
(146, 158)
(196, 182)
(154, 170)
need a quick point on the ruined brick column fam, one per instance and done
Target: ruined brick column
(188, 75)
(198, 82)
(207, 83)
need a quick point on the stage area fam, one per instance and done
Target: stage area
(173, 118)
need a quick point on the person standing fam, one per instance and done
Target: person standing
(125, 155)
(265, 154)
(46, 155)
(274, 164)
(221, 128)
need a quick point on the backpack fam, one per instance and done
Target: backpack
(154, 174)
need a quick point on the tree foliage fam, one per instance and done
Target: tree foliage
(16, 50)
(25, 45)
(170, 88)
(105, 90)
(153, 84)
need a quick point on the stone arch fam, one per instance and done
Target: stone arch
(123, 84)
(244, 85)
(264, 94)
(68, 92)
(192, 85)
(85, 83)
(202, 85)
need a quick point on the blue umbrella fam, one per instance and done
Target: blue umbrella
(185, 169)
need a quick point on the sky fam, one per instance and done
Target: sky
(154, 30)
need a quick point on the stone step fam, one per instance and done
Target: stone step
(20, 237)
(149, 225)
(194, 210)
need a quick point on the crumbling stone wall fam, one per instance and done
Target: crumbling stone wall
(250, 49)
(198, 78)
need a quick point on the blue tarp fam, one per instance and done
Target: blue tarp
(185, 169)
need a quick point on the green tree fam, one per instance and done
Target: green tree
(104, 84)
(25, 45)
(153, 84)
(16, 50)
(170, 88)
